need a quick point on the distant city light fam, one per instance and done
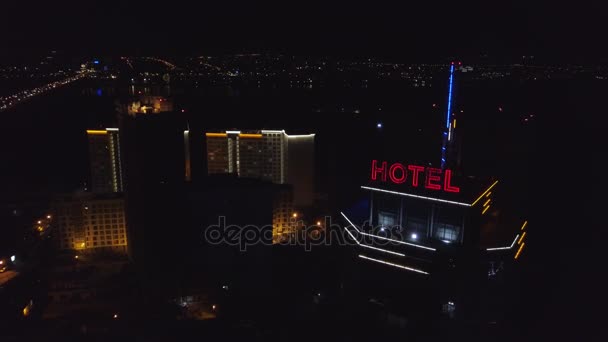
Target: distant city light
(13, 258)
(379, 125)
(414, 236)
(95, 62)
(48, 217)
(115, 316)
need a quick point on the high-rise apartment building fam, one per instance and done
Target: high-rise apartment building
(265, 155)
(105, 160)
(90, 222)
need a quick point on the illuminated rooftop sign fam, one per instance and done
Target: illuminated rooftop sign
(413, 175)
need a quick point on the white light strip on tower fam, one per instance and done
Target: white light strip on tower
(273, 131)
(111, 129)
(450, 133)
(394, 265)
(513, 243)
(401, 242)
(384, 238)
(301, 135)
(382, 250)
(357, 229)
(502, 248)
(233, 132)
(416, 196)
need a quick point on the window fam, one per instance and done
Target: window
(447, 232)
(447, 223)
(387, 219)
(416, 216)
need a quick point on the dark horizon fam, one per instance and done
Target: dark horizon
(412, 32)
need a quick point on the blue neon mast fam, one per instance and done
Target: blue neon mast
(447, 123)
(447, 134)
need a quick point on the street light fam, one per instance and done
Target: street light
(295, 215)
(48, 217)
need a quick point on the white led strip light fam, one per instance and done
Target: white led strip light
(394, 265)
(502, 248)
(417, 196)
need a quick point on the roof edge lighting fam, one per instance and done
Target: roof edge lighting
(503, 248)
(480, 196)
(96, 131)
(519, 251)
(216, 135)
(417, 196)
(247, 135)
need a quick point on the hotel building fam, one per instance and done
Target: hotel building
(269, 155)
(105, 160)
(90, 222)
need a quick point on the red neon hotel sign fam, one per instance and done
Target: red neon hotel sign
(430, 177)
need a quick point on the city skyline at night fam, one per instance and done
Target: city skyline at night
(308, 171)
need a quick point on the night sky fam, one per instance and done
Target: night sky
(552, 31)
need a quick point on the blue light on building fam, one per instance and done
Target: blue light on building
(447, 123)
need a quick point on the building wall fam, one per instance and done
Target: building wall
(300, 166)
(269, 155)
(105, 161)
(251, 157)
(90, 223)
(218, 157)
(283, 223)
(429, 221)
